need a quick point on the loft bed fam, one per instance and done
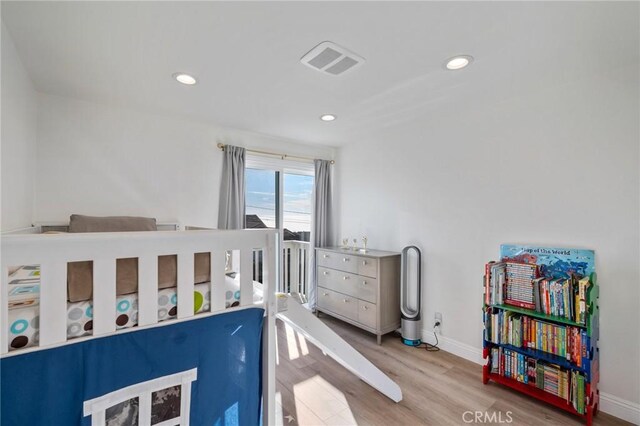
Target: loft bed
(207, 364)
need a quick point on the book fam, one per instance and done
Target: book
(494, 283)
(519, 284)
(487, 275)
(583, 284)
(536, 294)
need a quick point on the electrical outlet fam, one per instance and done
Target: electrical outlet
(437, 319)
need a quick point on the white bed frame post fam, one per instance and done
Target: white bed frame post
(270, 274)
(4, 308)
(185, 284)
(104, 297)
(147, 289)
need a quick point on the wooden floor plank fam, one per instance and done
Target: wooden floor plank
(438, 387)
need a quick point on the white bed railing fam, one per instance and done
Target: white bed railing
(295, 266)
(53, 252)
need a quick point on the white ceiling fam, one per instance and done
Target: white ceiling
(246, 57)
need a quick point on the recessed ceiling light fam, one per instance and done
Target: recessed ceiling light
(459, 62)
(185, 78)
(327, 117)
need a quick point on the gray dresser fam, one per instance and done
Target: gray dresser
(362, 289)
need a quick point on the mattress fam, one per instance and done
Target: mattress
(24, 312)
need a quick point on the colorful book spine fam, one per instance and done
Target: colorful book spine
(506, 328)
(553, 379)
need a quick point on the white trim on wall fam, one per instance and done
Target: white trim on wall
(452, 346)
(620, 408)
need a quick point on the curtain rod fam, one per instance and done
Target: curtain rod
(282, 156)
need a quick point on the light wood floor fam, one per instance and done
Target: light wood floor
(438, 387)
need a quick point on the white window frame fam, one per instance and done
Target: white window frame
(97, 407)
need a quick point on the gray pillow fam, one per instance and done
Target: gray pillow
(80, 223)
(168, 270)
(80, 274)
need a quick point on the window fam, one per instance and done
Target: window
(261, 187)
(296, 206)
(279, 194)
(263, 204)
(163, 401)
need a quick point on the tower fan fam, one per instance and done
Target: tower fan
(410, 307)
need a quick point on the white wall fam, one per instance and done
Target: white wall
(558, 167)
(18, 135)
(101, 160)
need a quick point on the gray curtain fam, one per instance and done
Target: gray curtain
(321, 234)
(231, 210)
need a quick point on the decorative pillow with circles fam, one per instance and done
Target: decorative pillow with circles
(24, 327)
(24, 323)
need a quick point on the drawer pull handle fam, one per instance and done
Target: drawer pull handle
(345, 259)
(364, 262)
(345, 277)
(345, 300)
(325, 294)
(326, 256)
(364, 283)
(325, 272)
(365, 308)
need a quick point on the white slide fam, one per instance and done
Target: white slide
(304, 322)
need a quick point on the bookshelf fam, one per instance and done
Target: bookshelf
(541, 329)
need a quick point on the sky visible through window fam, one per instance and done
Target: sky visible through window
(261, 198)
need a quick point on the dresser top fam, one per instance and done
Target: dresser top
(369, 253)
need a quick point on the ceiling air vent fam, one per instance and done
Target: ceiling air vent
(329, 58)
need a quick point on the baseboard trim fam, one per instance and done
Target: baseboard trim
(621, 408)
(610, 404)
(452, 346)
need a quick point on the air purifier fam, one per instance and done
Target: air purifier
(410, 291)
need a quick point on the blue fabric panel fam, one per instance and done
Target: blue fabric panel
(49, 387)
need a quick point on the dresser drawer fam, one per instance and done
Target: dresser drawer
(367, 289)
(351, 284)
(338, 303)
(348, 262)
(368, 266)
(367, 314)
(341, 261)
